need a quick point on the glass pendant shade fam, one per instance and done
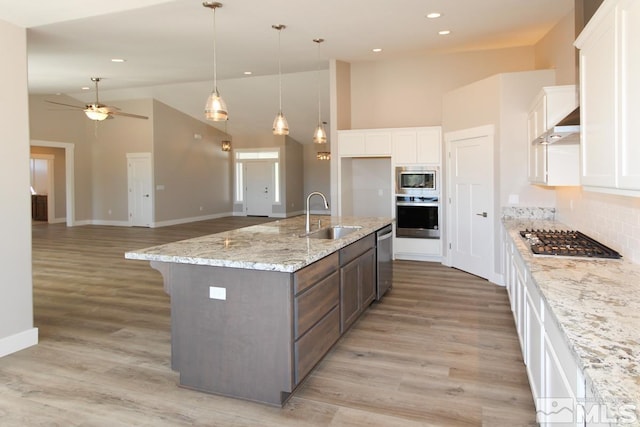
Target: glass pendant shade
(323, 155)
(95, 114)
(215, 108)
(320, 136)
(280, 125)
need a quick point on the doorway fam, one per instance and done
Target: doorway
(69, 175)
(42, 187)
(140, 183)
(259, 194)
(471, 193)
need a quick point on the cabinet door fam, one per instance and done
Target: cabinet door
(367, 266)
(598, 105)
(349, 294)
(416, 146)
(405, 147)
(378, 143)
(557, 405)
(629, 138)
(428, 146)
(534, 344)
(351, 144)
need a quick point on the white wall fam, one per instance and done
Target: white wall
(408, 92)
(16, 300)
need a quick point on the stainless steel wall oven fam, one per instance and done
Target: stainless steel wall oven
(417, 217)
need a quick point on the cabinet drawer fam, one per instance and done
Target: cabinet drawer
(356, 249)
(314, 344)
(313, 304)
(314, 272)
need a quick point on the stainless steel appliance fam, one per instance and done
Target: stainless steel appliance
(417, 181)
(417, 217)
(566, 243)
(384, 260)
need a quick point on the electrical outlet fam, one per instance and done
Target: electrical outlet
(217, 293)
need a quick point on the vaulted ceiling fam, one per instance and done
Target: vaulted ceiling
(168, 46)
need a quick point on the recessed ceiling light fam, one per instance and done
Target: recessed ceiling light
(434, 15)
(248, 73)
(118, 60)
(444, 32)
(377, 49)
(85, 88)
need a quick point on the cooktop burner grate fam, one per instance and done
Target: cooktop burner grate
(567, 243)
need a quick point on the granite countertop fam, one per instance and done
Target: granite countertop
(273, 246)
(596, 303)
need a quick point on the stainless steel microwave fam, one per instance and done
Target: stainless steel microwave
(417, 180)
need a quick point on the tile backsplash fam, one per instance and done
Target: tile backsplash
(612, 220)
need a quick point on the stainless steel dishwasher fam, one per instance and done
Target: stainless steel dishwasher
(384, 260)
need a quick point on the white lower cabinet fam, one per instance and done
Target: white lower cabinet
(556, 380)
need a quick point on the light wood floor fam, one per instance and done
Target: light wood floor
(440, 349)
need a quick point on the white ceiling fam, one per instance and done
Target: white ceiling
(168, 46)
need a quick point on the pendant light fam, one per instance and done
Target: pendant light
(226, 143)
(280, 125)
(215, 109)
(320, 135)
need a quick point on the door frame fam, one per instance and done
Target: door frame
(469, 133)
(69, 161)
(149, 157)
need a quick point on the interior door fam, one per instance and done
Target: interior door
(471, 200)
(258, 188)
(140, 189)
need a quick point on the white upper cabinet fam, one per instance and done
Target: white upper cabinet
(610, 98)
(364, 143)
(406, 146)
(557, 163)
(417, 145)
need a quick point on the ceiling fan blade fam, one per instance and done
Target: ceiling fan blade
(66, 105)
(135, 116)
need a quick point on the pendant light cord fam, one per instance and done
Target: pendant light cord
(215, 71)
(318, 41)
(280, 67)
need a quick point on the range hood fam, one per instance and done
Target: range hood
(567, 130)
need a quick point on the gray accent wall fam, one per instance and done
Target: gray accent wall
(192, 174)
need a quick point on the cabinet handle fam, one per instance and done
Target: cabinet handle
(483, 214)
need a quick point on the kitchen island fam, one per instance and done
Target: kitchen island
(581, 345)
(253, 310)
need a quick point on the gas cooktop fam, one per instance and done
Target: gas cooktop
(567, 243)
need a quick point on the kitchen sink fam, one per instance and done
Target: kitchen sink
(332, 233)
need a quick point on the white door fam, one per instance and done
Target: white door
(471, 216)
(259, 187)
(140, 189)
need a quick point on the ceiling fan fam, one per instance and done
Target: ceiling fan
(98, 111)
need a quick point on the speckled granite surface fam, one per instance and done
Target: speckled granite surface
(273, 246)
(517, 212)
(596, 303)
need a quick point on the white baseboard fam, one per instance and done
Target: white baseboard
(110, 223)
(19, 341)
(191, 219)
(57, 220)
(417, 257)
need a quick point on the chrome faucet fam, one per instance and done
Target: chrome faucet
(326, 206)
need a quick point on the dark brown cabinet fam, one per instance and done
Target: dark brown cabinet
(357, 280)
(39, 207)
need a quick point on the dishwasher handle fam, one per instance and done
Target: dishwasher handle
(385, 236)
